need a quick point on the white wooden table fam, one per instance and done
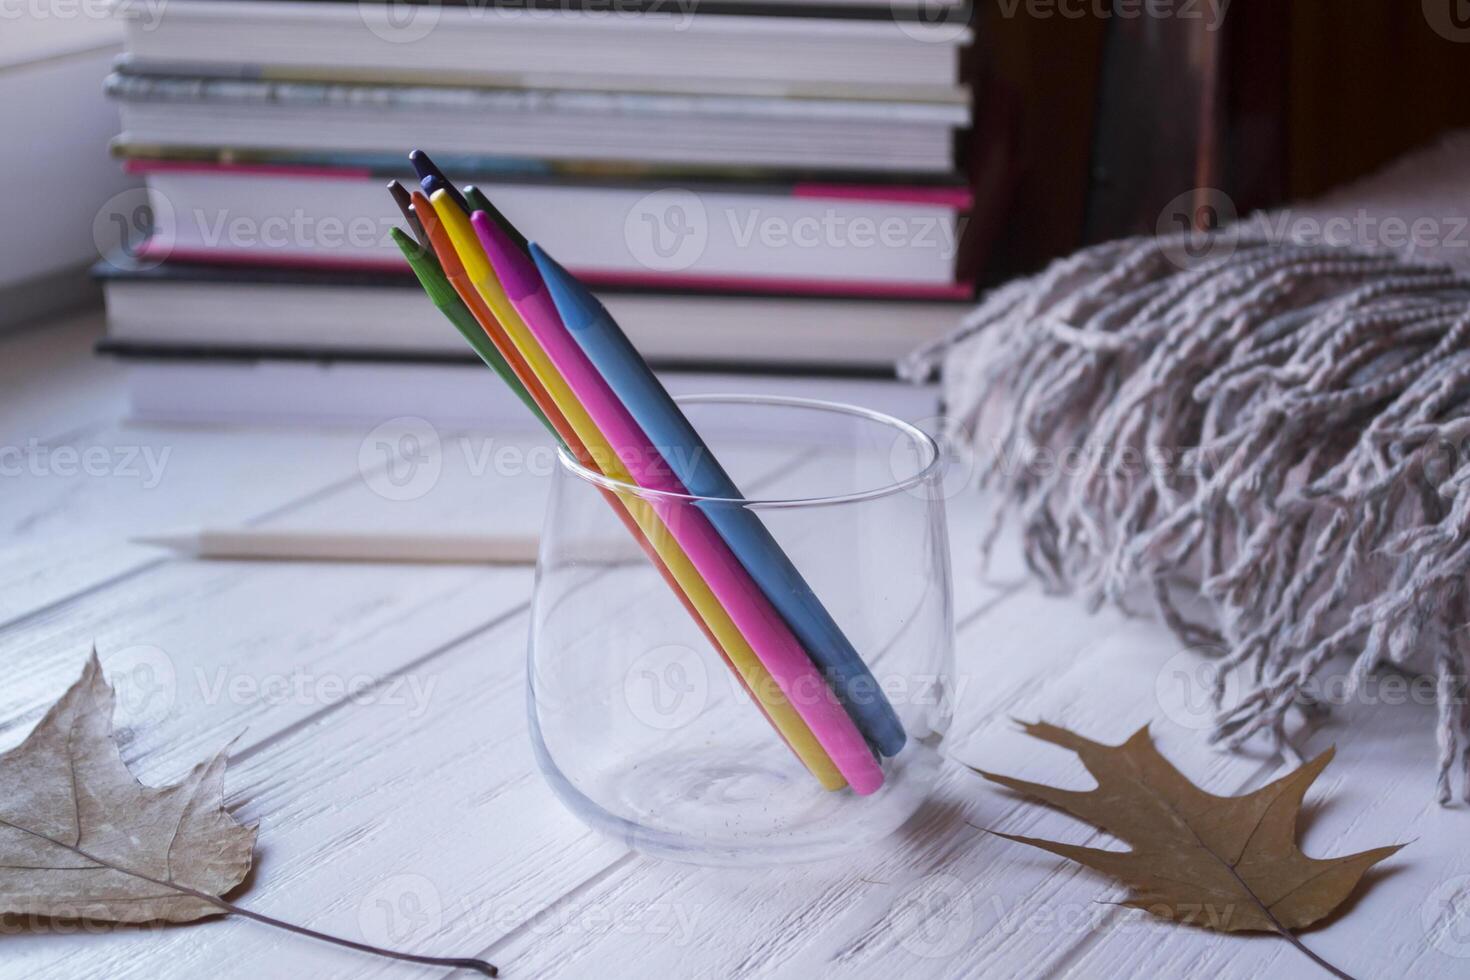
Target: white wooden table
(411, 814)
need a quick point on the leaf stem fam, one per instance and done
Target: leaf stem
(449, 962)
(1287, 934)
(1276, 923)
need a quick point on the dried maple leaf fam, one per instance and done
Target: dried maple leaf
(81, 838)
(1224, 862)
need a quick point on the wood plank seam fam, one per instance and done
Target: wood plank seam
(443, 649)
(565, 898)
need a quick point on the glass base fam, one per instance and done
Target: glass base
(646, 679)
(696, 807)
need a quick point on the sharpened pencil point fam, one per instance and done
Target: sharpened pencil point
(479, 202)
(422, 165)
(404, 200)
(400, 196)
(183, 539)
(426, 267)
(577, 306)
(430, 174)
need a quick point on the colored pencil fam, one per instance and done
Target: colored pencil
(431, 179)
(762, 691)
(691, 460)
(431, 277)
(404, 201)
(479, 202)
(610, 425)
(454, 272)
(782, 712)
(698, 469)
(370, 546)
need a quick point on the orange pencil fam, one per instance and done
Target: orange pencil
(454, 271)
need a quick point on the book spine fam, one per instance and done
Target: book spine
(129, 87)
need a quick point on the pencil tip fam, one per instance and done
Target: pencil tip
(175, 540)
(405, 244)
(427, 216)
(432, 179)
(577, 306)
(479, 202)
(404, 200)
(516, 273)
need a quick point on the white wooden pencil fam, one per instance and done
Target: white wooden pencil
(336, 545)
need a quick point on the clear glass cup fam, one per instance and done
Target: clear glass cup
(640, 725)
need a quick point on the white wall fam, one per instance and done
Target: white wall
(56, 125)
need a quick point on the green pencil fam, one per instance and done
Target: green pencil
(479, 202)
(442, 295)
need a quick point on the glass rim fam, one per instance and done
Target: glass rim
(916, 435)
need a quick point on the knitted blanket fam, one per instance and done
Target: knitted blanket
(1261, 429)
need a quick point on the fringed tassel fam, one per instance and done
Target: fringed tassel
(1282, 425)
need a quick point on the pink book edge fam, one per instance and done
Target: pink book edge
(954, 197)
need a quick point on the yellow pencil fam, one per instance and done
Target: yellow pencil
(757, 678)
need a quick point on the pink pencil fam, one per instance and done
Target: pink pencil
(748, 607)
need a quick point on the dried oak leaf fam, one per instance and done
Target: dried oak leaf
(1225, 862)
(81, 838)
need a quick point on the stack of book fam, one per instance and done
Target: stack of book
(764, 194)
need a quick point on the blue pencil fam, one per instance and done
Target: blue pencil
(431, 178)
(624, 369)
